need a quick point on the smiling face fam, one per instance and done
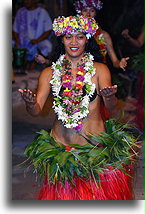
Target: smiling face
(74, 44)
(89, 12)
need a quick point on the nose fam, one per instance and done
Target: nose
(73, 40)
(88, 14)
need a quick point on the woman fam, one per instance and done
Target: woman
(89, 8)
(69, 151)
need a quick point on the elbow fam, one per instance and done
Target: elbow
(34, 111)
(139, 44)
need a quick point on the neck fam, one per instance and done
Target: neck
(32, 7)
(74, 60)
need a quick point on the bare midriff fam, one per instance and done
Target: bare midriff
(93, 124)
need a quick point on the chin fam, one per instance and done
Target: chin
(75, 54)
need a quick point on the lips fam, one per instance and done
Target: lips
(74, 49)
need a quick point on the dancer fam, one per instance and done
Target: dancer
(82, 158)
(89, 8)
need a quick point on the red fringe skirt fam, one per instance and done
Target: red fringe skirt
(113, 184)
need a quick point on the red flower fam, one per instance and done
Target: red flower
(81, 69)
(68, 148)
(67, 93)
(78, 86)
(66, 77)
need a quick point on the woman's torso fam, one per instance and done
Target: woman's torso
(92, 124)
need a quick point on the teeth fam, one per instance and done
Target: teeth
(74, 49)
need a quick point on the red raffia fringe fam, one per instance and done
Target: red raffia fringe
(113, 185)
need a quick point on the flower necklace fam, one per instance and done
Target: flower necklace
(71, 107)
(99, 37)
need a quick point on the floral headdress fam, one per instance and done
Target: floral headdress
(68, 25)
(80, 4)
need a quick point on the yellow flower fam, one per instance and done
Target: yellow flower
(74, 24)
(79, 82)
(60, 24)
(67, 19)
(80, 73)
(66, 90)
(65, 23)
(82, 22)
(85, 27)
(66, 80)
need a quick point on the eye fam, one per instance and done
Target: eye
(68, 36)
(92, 10)
(84, 10)
(80, 37)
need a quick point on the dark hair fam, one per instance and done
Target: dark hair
(91, 47)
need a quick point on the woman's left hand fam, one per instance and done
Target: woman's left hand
(108, 91)
(123, 63)
(34, 41)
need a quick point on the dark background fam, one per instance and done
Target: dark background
(115, 15)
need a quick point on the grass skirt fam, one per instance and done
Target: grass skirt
(100, 171)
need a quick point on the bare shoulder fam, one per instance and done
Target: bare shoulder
(101, 68)
(103, 75)
(46, 74)
(106, 34)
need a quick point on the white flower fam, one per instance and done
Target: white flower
(85, 101)
(88, 35)
(77, 115)
(87, 78)
(91, 57)
(93, 86)
(61, 58)
(87, 65)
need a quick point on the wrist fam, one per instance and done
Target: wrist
(109, 98)
(30, 105)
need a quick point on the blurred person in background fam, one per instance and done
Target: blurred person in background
(32, 30)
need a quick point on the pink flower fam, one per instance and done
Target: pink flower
(80, 78)
(67, 85)
(79, 127)
(67, 102)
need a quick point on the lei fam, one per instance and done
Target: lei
(101, 42)
(71, 107)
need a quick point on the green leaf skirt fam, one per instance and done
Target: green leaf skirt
(96, 171)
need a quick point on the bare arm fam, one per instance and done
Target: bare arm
(135, 42)
(35, 103)
(116, 62)
(106, 90)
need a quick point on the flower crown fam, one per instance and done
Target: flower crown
(80, 4)
(72, 24)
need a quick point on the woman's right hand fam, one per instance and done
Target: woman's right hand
(40, 59)
(28, 97)
(125, 33)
